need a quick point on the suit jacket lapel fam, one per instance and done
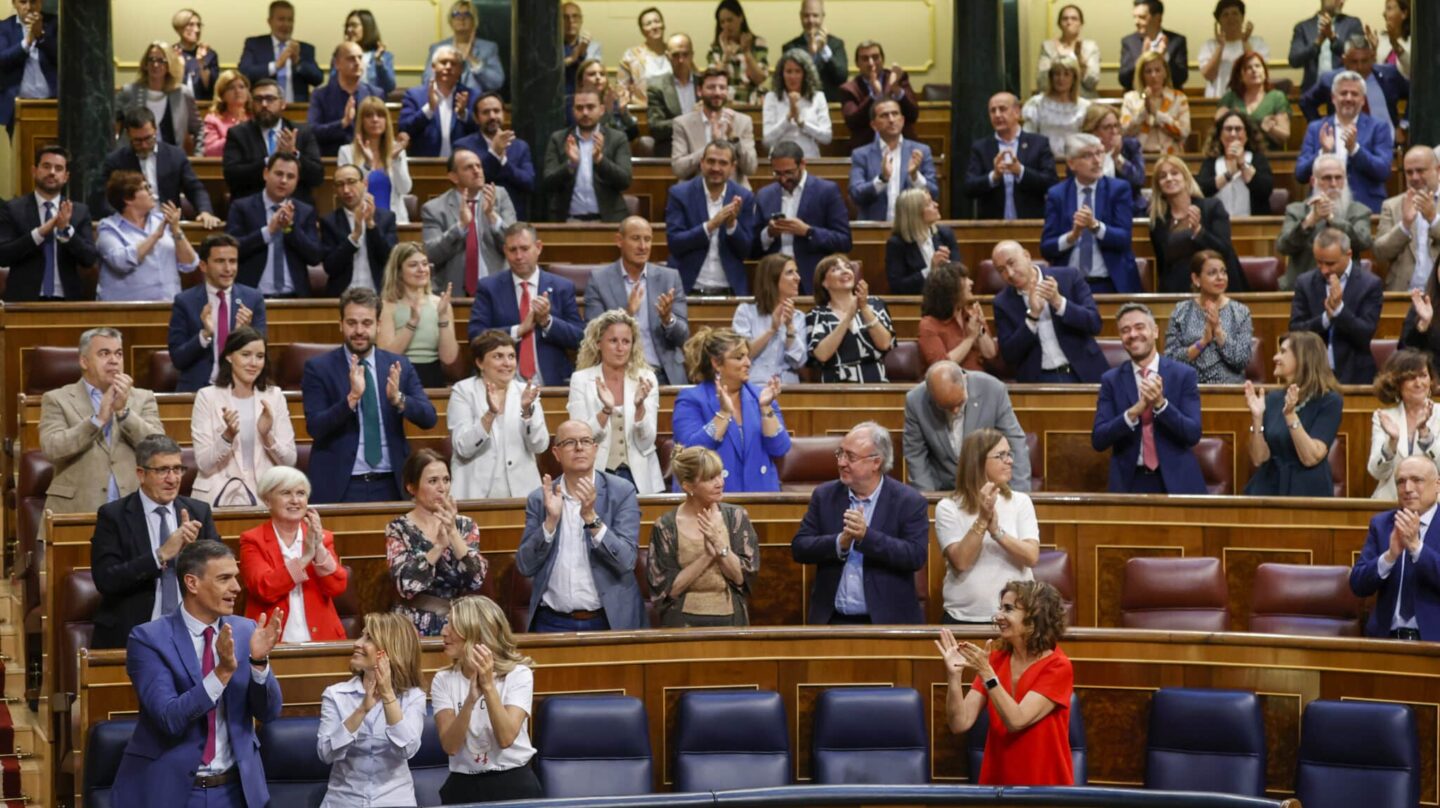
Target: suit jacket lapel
(184, 646)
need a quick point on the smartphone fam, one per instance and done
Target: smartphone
(777, 215)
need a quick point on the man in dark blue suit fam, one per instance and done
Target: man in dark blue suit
(164, 166)
(204, 315)
(1149, 414)
(249, 146)
(203, 679)
(46, 239)
(356, 237)
(1385, 85)
(290, 62)
(1400, 561)
(277, 233)
(29, 52)
(710, 223)
(1046, 321)
(437, 115)
(1341, 302)
(889, 164)
(357, 399)
(867, 533)
(1369, 145)
(1326, 30)
(800, 214)
(335, 107)
(1009, 173)
(505, 158)
(1088, 221)
(545, 329)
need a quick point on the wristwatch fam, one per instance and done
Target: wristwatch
(595, 525)
(724, 551)
(992, 683)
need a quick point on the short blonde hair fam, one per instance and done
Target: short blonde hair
(696, 464)
(222, 85)
(277, 477)
(182, 18)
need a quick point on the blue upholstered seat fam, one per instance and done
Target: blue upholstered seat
(593, 746)
(430, 766)
(870, 735)
(104, 747)
(293, 771)
(1206, 740)
(1358, 753)
(731, 739)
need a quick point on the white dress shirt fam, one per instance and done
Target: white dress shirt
(446, 113)
(32, 80)
(1235, 196)
(368, 767)
(361, 276)
(223, 759)
(810, 132)
(712, 272)
(685, 91)
(1383, 568)
(297, 627)
(1052, 356)
(1420, 248)
(152, 529)
(572, 585)
(790, 206)
(973, 595)
(481, 751)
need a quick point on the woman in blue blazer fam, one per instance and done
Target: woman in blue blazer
(724, 412)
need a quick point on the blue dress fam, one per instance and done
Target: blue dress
(1283, 475)
(748, 455)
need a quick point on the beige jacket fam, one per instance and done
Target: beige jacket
(1393, 246)
(83, 458)
(691, 133)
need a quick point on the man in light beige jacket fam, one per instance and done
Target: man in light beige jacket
(711, 120)
(1408, 217)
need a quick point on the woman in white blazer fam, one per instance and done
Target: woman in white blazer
(496, 427)
(240, 426)
(1409, 423)
(615, 392)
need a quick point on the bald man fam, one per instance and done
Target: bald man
(1400, 562)
(1409, 238)
(1046, 321)
(1010, 171)
(334, 108)
(672, 94)
(939, 412)
(653, 294)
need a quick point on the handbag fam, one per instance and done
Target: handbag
(234, 493)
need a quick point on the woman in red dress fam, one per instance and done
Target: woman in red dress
(1027, 680)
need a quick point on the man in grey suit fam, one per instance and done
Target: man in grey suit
(672, 95)
(462, 260)
(939, 412)
(652, 293)
(1330, 206)
(1318, 42)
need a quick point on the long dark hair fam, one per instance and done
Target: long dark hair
(732, 6)
(239, 338)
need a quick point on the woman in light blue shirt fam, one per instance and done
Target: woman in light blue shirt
(773, 325)
(142, 248)
(370, 724)
(483, 70)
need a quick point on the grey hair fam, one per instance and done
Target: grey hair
(1345, 75)
(1357, 42)
(1133, 306)
(152, 445)
(197, 555)
(948, 368)
(1327, 158)
(281, 477)
(880, 439)
(1079, 141)
(102, 331)
(1333, 237)
(450, 49)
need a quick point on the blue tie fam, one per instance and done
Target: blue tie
(112, 489)
(277, 258)
(169, 584)
(282, 74)
(47, 286)
(1010, 213)
(269, 142)
(1087, 239)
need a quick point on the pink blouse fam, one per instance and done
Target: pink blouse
(216, 128)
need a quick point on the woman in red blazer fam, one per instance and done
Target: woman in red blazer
(289, 562)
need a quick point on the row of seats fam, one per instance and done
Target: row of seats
(1351, 753)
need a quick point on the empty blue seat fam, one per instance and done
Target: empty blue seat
(975, 742)
(593, 746)
(731, 739)
(293, 771)
(104, 747)
(1206, 740)
(430, 766)
(1358, 753)
(870, 735)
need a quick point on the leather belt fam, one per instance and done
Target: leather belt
(429, 603)
(230, 775)
(1061, 369)
(576, 615)
(1406, 634)
(372, 476)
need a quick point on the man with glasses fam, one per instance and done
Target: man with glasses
(800, 215)
(1148, 414)
(671, 95)
(1394, 565)
(1009, 173)
(356, 237)
(480, 58)
(89, 429)
(1088, 221)
(1408, 238)
(581, 538)
(280, 57)
(164, 166)
(950, 404)
(867, 533)
(250, 145)
(137, 537)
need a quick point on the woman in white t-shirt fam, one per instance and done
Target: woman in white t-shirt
(481, 704)
(987, 532)
(1234, 37)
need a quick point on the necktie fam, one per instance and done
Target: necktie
(222, 325)
(1147, 432)
(277, 258)
(527, 344)
(169, 584)
(472, 252)
(282, 72)
(370, 419)
(47, 286)
(1009, 179)
(269, 142)
(1087, 239)
(207, 664)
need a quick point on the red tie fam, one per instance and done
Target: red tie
(207, 664)
(222, 325)
(1147, 432)
(527, 343)
(472, 253)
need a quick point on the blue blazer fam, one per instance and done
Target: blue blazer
(1366, 169)
(517, 175)
(425, 132)
(335, 428)
(823, 208)
(495, 306)
(160, 760)
(1392, 84)
(612, 564)
(13, 58)
(1075, 331)
(686, 212)
(894, 547)
(865, 168)
(380, 72)
(1114, 205)
(748, 455)
(340, 253)
(1034, 154)
(1365, 579)
(1177, 428)
(190, 358)
(327, 110)
(259, 52)
(1351, 332)
(172, 171)
(246, 220)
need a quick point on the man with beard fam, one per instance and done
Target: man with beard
(505, 158)
(710, 226)
(1328, 208)
(670, 96)
(437, 113)
(1364, 145)
(45, 239)
(1149, 414)
(804, 216)
(1409, 235)
(826, 50)
(891, 163)
(356, 237)
(277, 233)
(356, 424)
(712, 121)
(464, 228)
(587, 169)
(249, 146)
(333, 110)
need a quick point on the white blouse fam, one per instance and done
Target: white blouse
(810, 133)
(974, 596)
(297, 626)
(1056, 120)
(369, 766)
(1235, 196)
(481, 752)
(1228, 56)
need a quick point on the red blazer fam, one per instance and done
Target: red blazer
(268, 583)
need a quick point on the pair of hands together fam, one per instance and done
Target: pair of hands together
(357, 383)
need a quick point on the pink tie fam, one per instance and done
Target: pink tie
(527, 342)
(1147, 432)
(207, 664)
(222, 325)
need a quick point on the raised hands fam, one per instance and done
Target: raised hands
(770, 392)
(349, 116)
(1388, 426)
(554, 503)
(727, 401)
(607, 396)
(1334, 296)
(1292, 400)
(232, 424)
(1327, 137)
(942, 257)
(854, 529)
(187, 532)
(392, 387)
(357, 381)
(663, 304)
(978, 658)
(642, 391)
(915, 160)
(266, 634)
(1255, 400)
(207, 321)
(572, 151)
(495, 397)
(950, 654)
(1424, 311)
(243, 315)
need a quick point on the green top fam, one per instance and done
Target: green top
(425, 342)
(1271, 103)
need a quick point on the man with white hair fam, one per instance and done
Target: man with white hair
(1409, 238)
(437, 113)
(1363, 144)
(1088, 221)
(1394, 566)
(1329, 206)
(867, 533)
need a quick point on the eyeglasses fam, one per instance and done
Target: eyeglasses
(166, 471)
(1003, 457)
(265, 99)
(461, 14)
(575, 443)
(851, 457)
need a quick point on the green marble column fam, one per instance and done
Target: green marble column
(493, 23)
(977, 71)
(87, 79)
(537, 79)
(1424, 107)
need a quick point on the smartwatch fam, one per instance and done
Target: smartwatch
(992, 683)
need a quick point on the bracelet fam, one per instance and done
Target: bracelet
(390, 701)
(1295, 424)
(721, 414)
(768, 413)
(445, 324)
(870, 324)
(410, 326)
(261, 662)
(1198, 347)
